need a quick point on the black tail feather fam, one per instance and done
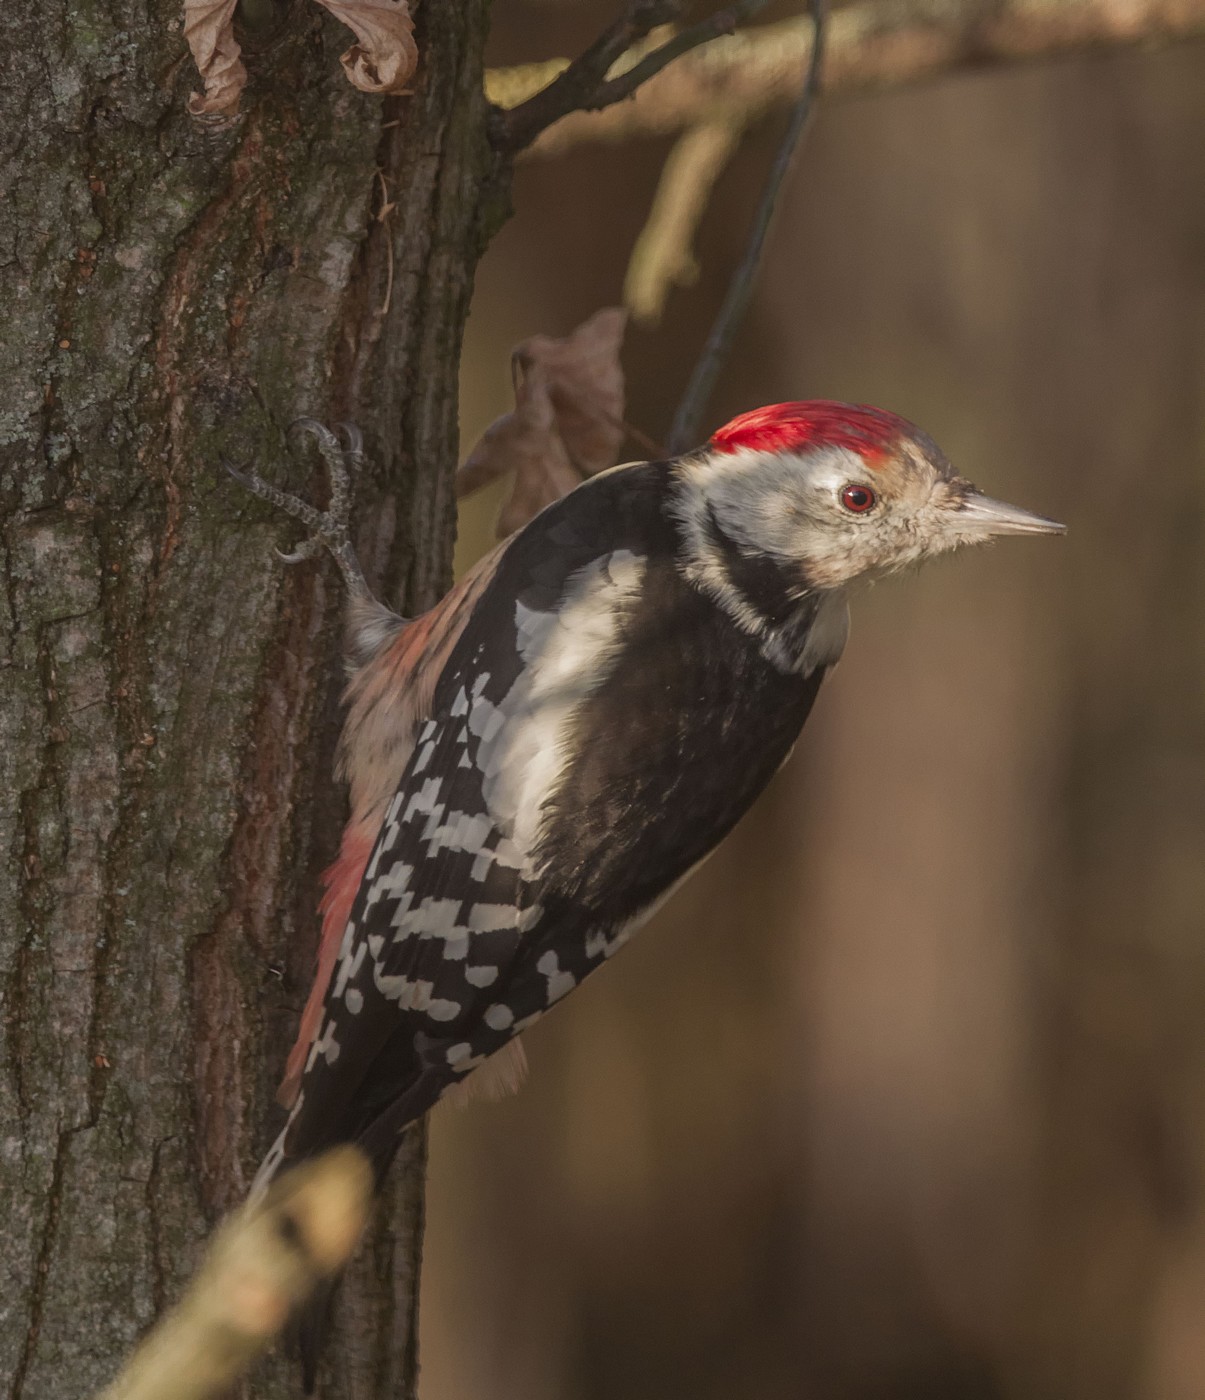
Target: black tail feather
(307, 1333)
(380, 1141)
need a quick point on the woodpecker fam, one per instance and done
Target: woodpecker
(539, 760)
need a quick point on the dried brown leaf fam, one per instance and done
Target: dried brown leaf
(209, 30)
(567, 423)
(525, 442)
(586, 384)
(385, 56)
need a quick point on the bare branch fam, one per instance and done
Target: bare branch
(577, 83)
(664, 252)
(583, 85)
(872, 44)
(702, 380)
(266, 1259)
(716, 26)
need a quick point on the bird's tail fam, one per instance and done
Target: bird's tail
(379, 1140)
(307, 1332)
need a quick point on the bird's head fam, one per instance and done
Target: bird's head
(788, 505)
(833, 492)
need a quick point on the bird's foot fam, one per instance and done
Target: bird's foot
(343, 453)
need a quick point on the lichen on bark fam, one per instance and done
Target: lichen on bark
(167, 690)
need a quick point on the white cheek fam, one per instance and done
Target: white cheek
(831, 559)
(836, 545)
(877, 544)
(767, 501)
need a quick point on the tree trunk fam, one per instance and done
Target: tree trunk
(168, 689)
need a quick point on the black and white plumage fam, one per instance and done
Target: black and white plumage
(582, 724)
(599, 727)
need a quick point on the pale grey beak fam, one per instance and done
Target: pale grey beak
(981, 516)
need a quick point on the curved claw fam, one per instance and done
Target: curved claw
(329, 529)
(307, 549)
(315, 429)
(355, 438)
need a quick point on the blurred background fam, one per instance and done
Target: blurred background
(903, 1096)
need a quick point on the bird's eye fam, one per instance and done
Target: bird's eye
(858, 499)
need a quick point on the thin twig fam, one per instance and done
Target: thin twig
(573, 87)
(707, 369)
(583, 86)
(713, 27)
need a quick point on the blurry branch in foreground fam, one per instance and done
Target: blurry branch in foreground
(871, 44)
(263, 1262)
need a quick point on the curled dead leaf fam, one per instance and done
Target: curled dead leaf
(586, 383)
(385, 56)
(526, 443)
(209, 30)
(567, 422)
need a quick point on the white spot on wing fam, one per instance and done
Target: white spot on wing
(487, 918)
(461, 1059)
(424, 802)
(326, 1044)
(498, 1017)
(560, 984)
(415, 996)
(393, 883)
(461, 831)
(434, 918)
(349, 966)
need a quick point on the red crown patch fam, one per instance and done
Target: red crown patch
(789, 427)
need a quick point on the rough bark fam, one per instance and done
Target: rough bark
(167, 689)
